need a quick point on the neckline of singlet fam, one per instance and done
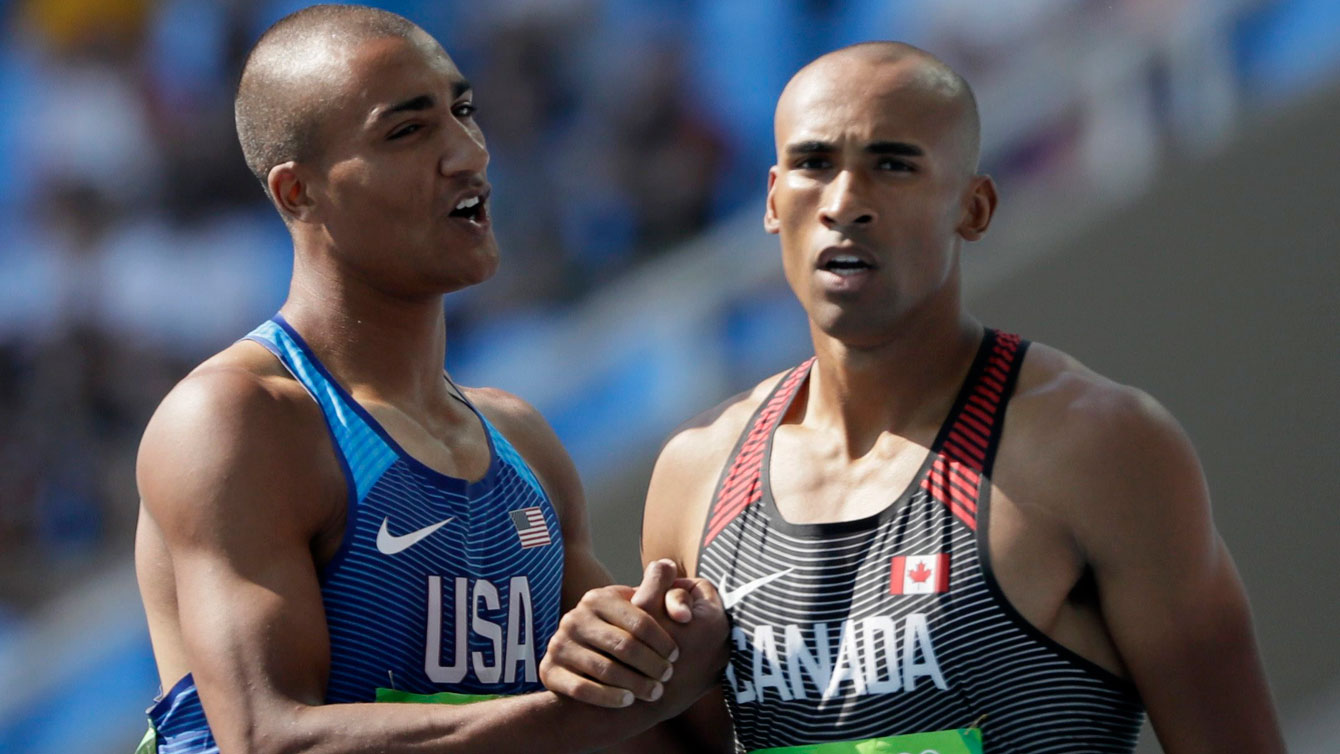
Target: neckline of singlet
(444, 481)
(777, 521)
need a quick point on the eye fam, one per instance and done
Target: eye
(895, 165)
(464, 110)
(404, 130)
(813, 163)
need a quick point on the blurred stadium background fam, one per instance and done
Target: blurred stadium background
(1169, 172)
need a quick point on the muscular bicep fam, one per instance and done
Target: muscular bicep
(1170, 595)
(233, 483)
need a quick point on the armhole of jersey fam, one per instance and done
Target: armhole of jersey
(748, 428)
(984, 553)
(350, 483)
(501, 449)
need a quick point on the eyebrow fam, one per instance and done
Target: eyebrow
(900, 148)
(421, 102)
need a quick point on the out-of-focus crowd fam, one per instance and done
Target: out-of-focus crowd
(133, 241)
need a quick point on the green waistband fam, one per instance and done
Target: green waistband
(442, 697)
(961, 741)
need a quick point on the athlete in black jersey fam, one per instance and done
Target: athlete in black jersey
(934, 536)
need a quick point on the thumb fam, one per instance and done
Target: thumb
(656, 580)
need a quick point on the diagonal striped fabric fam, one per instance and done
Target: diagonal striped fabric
(466, 606)
(894, 624)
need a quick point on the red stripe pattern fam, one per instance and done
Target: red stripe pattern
(743, 486)
(955, 478)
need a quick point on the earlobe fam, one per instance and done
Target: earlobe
(770, 222)
(289, 192)
(979, 208)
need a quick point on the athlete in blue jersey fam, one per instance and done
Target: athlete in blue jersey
(934, 536)
(331, 530)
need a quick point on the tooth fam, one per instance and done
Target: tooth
(464, 203)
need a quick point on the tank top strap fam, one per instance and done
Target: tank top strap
(365, 454)
(965, 451)
(741, 480)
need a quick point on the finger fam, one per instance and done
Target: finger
(608, 605)
(679, 605)
(643, 631)
(656, 579)
(605, 670)
(612, 641)
(562, 681)
(705, 591)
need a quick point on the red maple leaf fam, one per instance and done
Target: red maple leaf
(920, 573)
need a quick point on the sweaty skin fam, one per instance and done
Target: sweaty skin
(1101, 534)
(243, 498)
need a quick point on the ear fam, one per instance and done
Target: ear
(978, 208)
(770, 221)
(289, 192)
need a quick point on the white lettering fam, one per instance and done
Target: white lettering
(744, 692)
(520, 646)
(847, 666)
(867, 659)
(917, 636)
(432, 664)
(767, 669)
(486, 673)
(881, 656)
(819, 664)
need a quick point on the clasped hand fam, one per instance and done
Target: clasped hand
(664, 640)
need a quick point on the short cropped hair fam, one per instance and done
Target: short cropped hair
(280, 97)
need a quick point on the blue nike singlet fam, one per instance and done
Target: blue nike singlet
(440, 585)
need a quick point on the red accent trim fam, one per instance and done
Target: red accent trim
(743, 484)
(955, 477)
(971, 425)
(966, 453)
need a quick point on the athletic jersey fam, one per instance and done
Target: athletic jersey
(893, 626)
(442, 589)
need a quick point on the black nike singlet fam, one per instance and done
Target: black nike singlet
(893, 625)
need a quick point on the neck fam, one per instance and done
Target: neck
(382, 346)
(904, 385)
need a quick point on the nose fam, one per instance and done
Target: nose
(847, 203)
(463, 151)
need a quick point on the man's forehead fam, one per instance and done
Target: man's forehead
(856, 97)
(388, 70)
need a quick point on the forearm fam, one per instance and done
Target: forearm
(527, 723)
(703, 727)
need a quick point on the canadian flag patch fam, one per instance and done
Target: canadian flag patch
(919, 574)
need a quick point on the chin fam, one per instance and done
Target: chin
(852, 328)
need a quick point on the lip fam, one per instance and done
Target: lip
(846, 250)
(478, 225)
(483, 191)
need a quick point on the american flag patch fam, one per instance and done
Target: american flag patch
(531, 528)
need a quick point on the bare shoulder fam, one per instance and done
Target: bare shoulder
(526, 429)
(1098, 453)
(236, 423)
(710, 436)
(686, 473)
(517, 419)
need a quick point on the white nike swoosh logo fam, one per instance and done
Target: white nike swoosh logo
(732, 598)
(389, 544)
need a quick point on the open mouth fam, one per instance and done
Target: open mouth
(472, 208)
(845, 264)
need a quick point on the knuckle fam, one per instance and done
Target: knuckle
(640, 624)
(620, 645)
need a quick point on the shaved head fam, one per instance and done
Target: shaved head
(293, 76)
(882, 68)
